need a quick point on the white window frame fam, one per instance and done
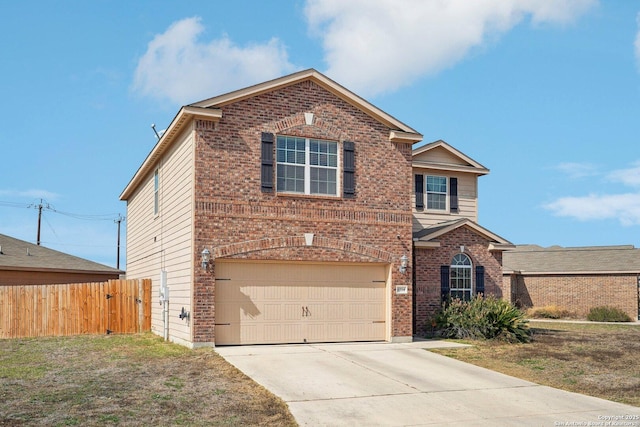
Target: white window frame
(458, 264)
(308, 167)
(427, 193)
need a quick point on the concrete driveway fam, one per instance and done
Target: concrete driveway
(389, 384)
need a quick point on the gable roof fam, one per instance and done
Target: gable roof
(465, 164)
(425, 238)
(211, 109)
(533, 259)
(16, 254)
(321, 80)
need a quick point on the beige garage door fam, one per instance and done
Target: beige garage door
(268, 303)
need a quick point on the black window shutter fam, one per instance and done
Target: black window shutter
(419, 186)
(349, 169)
(480, 280)
(267, 163)
(453, 194)
(445, 286)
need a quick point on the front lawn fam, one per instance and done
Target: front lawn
(133, 380)
(599, 360)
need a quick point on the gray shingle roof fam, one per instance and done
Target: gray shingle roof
(18, 254)
(556, 259)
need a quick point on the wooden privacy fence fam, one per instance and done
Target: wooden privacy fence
(116, 306)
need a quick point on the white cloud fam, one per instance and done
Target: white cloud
(30, 194)
(179, 66)
(630, 176)
(375, 46)
(577, 170)
(624, 207)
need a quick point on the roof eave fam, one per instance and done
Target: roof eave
(406, 137)
(429, 244)
(185, 115)
(498, 247)
(573, 273)
(57, 270)
(450, 167)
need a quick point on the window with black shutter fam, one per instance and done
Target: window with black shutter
(349, 169)
(480, 280)
(266, 171)
(419, 190)
(444, 283)
(453, 194)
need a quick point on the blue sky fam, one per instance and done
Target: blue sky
(545, 93)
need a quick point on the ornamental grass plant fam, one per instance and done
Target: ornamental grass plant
(483, 318)
(607, 314)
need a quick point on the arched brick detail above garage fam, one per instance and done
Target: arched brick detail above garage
(309, 242)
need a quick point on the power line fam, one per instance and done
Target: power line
(43, 205)
(47, 206)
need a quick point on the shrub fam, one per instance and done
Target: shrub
(607, 314)
(550, 312)
(483, 318)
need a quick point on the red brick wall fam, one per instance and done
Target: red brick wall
(232, 213)
(427, 271)
(576, 293)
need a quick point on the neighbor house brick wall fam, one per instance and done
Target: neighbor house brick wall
(576, 293)
(427, 271)
(232, 212)
(15, 277)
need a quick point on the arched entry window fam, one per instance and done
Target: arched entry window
(460, 285)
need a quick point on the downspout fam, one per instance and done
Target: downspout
(164, 300)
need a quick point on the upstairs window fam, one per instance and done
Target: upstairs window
(306, 166)
(436, 192)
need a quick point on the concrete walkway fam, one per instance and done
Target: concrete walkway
(390, 384)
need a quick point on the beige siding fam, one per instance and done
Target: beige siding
(467, 200)
(440, 155)
(165, 241)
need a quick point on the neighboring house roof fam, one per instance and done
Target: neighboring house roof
(533, 259)
(453, 161)
(426, 238)
(210, 109)
(17, 254)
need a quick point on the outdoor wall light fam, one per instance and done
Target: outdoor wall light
(205, 258)
(403, 263)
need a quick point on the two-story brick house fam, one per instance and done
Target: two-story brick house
(453, 255)
(277, 213)
(282, 213)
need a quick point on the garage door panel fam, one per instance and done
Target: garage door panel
(297, 302)
(292, 311)
(272, 311)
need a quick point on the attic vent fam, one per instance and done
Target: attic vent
(1, 253)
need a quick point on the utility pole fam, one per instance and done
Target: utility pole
(118, 221)
(39, 220)
(40, 206)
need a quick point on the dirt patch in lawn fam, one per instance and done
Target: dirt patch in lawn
(133, 380)
(599, 360)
